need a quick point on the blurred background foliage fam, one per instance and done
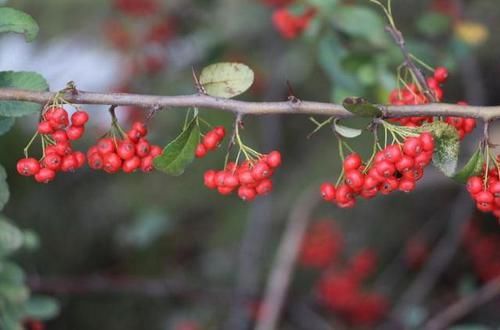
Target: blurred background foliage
(95, 227)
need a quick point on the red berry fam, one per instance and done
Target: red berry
(274, 159)
(126, 150)
(134, 135)
(354, 179)
(264, 187)
(95, 161)
(80, 158)
(28, 166)
(44, 127)
(147, 164)
(142, 148)
(79, 118)
(261, 171)
(385, 169)
(405, 164)
(352, 162)
(140, 128)
(423, 159)
(343, 194)
(412, 146)
(75, 132)
(246, 193)
(209, 179)
(474, 185)
(211, 140)
(389, 186)
(200, 151)
(69, 163)
(392, 153)
(45, 175)
(407, 185)
(63, 148)
(328, 191)
(495, 189)
(105, 146)
(132, 164)
(155, 151)
(441, 74)
(223, 190)
(427, 141)
(52, 161)
(111, 162)
(60, 136)
(220, 131)
(246, 177)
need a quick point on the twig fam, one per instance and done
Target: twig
(251, 108)
(464, 306)
(281, 273)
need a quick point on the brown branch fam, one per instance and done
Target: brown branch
(464, 306)
(251, 108)
(281, 273)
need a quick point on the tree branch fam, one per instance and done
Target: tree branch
(252, 108)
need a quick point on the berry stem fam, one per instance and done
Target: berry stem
(26, 149)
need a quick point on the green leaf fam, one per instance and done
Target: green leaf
(361, 107)
(4, 188)
(361, 22)
(14, 293)
(445, 156)
(179, 153)
(25, 80)
(6, 124)
(41, 308)
(11, 238)
(344, 131)
(473, 167)
(11, 273)
(226, 79)
(12, 20)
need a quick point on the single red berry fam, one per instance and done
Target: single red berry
(134, 135)
(343, 194)
(95, 161)
(264, 187)
(405, 164)
(80, 158)
(60, 136)
(223, 190)
(412, 146)
(246, 193)
(200, 151)
(392, 153)
(28, 166)
(111, 162)
(352, 162)
(261, 171)
(274, 159)
(474, 185)
(441, 74)
(105, 146)
(44, 127)
(155, 151)
(388, 186)
(130, 165)
(354, 179)
(69, 163)
(147, 164)
(63, 148)
(142, 148)
(45, 175)
(140, 128)
(52, 161)
(328, 191)
(220, 131)
(126, 150)
(406, 185)
(245, 177)
(385, 169)
(211, 140)
(57, 117)
(427, 141)
(494, 188)
(75, 132)
(209, 179)
(79, 118)
(414, 174)
(469, 124)
(423, 159)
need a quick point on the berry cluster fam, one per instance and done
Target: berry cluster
(58, 153)
(340, 288)
(484, 252)
(250, 178)
(127, 153)
(485, 191)
(463, 125)
(210, 141)
(289, 25)
(396, 167)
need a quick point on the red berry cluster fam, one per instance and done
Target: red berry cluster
(463, 125)
(137, 7)
(57, 134)
(484, 252)
(289, 25)
(128, 154)
(250, 178)
(321, 245)
(485, 191)
(210, 141)
(396, 167)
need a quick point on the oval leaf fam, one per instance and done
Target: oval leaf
(41, 308)
(361, 107)
(347, 132)
(473, 167)
(6, 124)
(12, 20)
(25, 80)
(360, 22)
(179, 153)
(447, 147)
(4, 188)
(226, 79)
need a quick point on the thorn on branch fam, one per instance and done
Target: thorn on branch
(292, 97)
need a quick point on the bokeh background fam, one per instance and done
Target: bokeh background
(157, 252)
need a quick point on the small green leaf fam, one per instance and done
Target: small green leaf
(6, 124)
(226, 79)
(11, 238)
(179, 153)
(447, 147)
(11, 273)
(41, 308)
(361, 107)
(25, 80)
(347, 132)
(4, 188)
(12, 20)
(473, 167)
(360, 22)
